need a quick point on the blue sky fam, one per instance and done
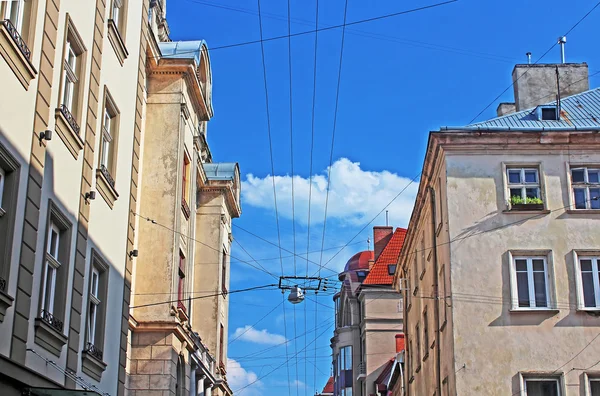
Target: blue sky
(401, 77)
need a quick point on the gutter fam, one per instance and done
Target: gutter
(521, 129)
(436, 289)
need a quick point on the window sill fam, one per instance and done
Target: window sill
(412, 379)
(92, 366)
(418, 368)
(185, 208)
(589, 309)
(426, 356)
(6, 302)
(583, 211)
(520, 211)
(105, 188)
(443, 326)
(68, 134)
(14, 56)
(49, 338)
(432, 345)
(2, 212)
(415, 291)
(117, 42)
(439, 228)
(532, 310)
(422, 274)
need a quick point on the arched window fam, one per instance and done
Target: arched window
(180, 384)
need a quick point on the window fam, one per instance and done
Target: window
(117, 27)
(107, 162)
(532, 282)
(549, 113)
(595, 387)
(391, 269)
(443, 295)
(586, 187)
(96, 315)
(185, 190)
(418, 337)
(181, 283)
(410, 357)
(423, 262)
(346, 358)
(361, 275)
(221, 354)
(523, 185)
(590, 281)
(542, 386)
(224, 273)
(2, 177)
(13, 11)
(55, 269)
(116, 12)
(425, 332)
(71, 73)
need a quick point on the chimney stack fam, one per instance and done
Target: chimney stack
(400, 345)
(381, 237)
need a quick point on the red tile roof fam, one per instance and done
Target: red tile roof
(379, 273)
(329, 387)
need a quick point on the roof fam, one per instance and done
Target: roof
(384, 376)
(359, 261)
(329, 386)
(182, 49)
(379, 274)
(220, 170)
(581, 110)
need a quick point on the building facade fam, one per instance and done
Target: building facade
(186, 202)
(499, 266)
(69, 71)
(368, 316)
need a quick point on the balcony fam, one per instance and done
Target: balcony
(93, 350)
(18, 40)
(362, 371)
(69, 118)
(51, 320)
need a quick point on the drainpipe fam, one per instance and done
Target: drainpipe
(436, 290)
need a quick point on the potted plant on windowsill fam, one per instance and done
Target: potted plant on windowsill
(529, 203)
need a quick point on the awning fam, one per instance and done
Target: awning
(60, 392)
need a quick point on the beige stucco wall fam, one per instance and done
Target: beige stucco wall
(492, 344)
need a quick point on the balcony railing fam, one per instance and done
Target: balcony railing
(14, 33)
(2, 285)
(185, 208)
(52, 320)
(93, 351)
(362, 370)
(107, 176)
(70, 119)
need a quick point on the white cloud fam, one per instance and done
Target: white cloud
(250, 334)
(355, 195)
(295, 383)
(238, 377)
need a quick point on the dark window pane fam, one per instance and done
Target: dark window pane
(595, 388)
(523, 289)
(539, 281)
(578, 175)
(586, 265)
(515, 192)
(532, 192)
(542, 388)
(531, 176)
(514, 176)
(593, 176)
(587, 280)
(594, 200)
(521, 265)
(580, 198)
(538, 264)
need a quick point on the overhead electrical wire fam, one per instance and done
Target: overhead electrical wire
(535, 63)
(254, 325)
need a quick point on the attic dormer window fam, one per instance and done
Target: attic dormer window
(361, 275)
(391, 269)
(547, 113)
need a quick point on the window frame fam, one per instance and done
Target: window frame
(594, 255)
(550, 284)
(10, 169)
(18, 24)
(538, 166)
(443, 295)
(51, 263)
(537, 377)
(2, 179)
(224, 273)
(588, 378)
(110, 114)
(418, 342)
(586, 185)
(425, 333)
(181, 269)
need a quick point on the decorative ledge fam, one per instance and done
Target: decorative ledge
(520, 211)
(105, 185)
(47, 334)
(91, 362)
(583, 211)
(535, 310)
(16, 53)
(68, 130)
(186, 209)
(117, 42)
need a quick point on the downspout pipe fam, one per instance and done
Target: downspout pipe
(520, 129)
(436, 291)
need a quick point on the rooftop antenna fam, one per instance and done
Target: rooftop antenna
(368, 243)
(562, 41)
(528, 58)
(386, 218)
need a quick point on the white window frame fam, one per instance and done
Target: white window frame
(2, 179)
(550, 283)
(523, 185)
(116, 11)
(20, 4)
(106, 140)
(534, 377)
(51, 266)
(588, 379)
(586, 185)
(95, 304)
(69, 75)
(595, 257)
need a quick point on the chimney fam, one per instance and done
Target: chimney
(536, 84)
(505, 108)
(399, 343)
(381, 237)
